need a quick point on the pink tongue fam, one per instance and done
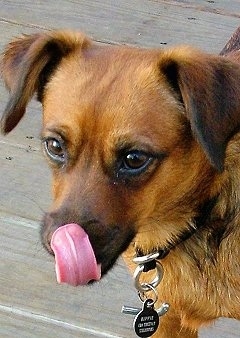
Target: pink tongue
(75, 260)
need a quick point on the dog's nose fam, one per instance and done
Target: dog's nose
(48, 226)
(46, 237)
(53, 220)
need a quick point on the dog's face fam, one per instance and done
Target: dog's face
(112, 143)
(136, 139)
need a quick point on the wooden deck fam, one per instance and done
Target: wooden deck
(31, 303)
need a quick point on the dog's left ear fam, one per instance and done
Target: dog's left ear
(209, 88)
(27, 64)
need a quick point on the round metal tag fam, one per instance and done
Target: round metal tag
(147, 321)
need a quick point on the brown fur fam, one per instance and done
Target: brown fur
(181, 109)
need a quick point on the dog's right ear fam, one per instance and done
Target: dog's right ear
(208, 87)
(26, 66)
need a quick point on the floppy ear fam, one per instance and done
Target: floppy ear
(209, 88)
(26, 66)
(233, 44)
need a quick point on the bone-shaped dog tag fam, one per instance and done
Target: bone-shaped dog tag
(146, 322)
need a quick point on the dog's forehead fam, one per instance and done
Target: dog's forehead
(114, 71)
(109, 88)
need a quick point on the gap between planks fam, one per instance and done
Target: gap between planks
(56, 322)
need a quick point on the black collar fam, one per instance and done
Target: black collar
(199, 222)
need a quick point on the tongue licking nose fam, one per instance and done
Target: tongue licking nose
(74, 257)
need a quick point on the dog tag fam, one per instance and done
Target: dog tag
(146, 322)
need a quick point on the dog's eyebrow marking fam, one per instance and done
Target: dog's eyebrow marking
(126, 145)
(60, 130)
(129, 142)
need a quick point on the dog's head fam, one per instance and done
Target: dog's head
(136, 138)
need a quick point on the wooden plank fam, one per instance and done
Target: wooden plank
(220, 7)
(28, 324)
(9, 31)
(143, 23)
(25, 189)
(222, 328)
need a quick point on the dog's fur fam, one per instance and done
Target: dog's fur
(146, 152)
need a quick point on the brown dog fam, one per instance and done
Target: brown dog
(144, 148)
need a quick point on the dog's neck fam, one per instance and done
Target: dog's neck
(199, 222)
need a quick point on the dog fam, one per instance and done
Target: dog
(144, 150)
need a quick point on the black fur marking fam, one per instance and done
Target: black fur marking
(55, 56)
(210, 237)
(170, 70)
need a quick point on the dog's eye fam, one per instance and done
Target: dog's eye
(135, 162)
(54, 150)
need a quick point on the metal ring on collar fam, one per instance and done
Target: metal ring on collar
(143, 297)
(146, 258)
(144, 287)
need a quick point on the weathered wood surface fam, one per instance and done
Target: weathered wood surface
(31, 303)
